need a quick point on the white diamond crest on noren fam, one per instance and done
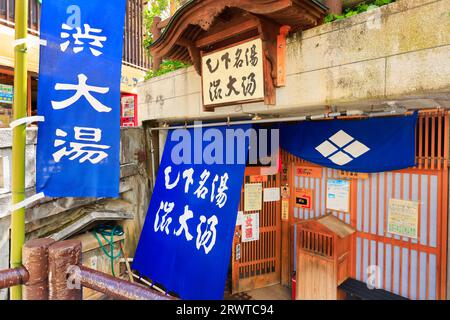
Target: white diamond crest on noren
(342, 148)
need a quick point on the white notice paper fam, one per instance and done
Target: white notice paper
(271, 194)
(338, 195)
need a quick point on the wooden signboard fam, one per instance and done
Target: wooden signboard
(304, 198)
(285, 210)
(310, 172)
(233, 75)
(258, 179)
(353, 175)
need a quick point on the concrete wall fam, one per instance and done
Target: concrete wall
(50, 214)
(399, 52)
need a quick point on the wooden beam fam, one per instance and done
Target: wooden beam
(227, 33)
(281, 56)
(163, 23)
(335, 6)
(7, 70)
(194, 53)
(156, 32)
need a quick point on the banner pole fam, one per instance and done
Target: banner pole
(19, 141)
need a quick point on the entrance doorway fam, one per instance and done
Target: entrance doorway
(256, 264)
(412, 268)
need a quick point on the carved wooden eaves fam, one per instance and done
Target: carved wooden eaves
(204, 25)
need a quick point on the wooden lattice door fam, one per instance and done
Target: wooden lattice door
(256, 264)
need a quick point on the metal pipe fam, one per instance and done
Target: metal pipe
(271, 120)
(19, 141)
(324, 116)
(114, 287)
(13, 277)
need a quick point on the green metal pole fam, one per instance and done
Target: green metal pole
(19, 141)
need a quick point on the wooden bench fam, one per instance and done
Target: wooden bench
(357, 290)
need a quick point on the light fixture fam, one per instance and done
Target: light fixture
(395, 108)
(256, 117)
(317, 116)
(354, 113)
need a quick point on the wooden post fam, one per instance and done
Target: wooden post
(335, 6)
(35, 260)
(63, 257)
(281, 56)
(156, 32)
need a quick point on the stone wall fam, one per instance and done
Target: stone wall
(50, 215)
(399, 52)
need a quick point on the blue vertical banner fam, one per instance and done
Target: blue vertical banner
(187, 237)
(79, 96)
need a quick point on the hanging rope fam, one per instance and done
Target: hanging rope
(108, 233)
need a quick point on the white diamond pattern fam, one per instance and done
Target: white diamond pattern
(353, 148)
(341, 139)
(357, 149)
(326, 149)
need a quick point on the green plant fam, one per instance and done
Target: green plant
(158, 8)
(166, 67)
(362, 7)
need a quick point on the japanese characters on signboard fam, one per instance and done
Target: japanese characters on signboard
(310, 172)
(79, 96)
(233, 74)
(258, 179)
(190, 223)
(352, 175)
(338, 195)
(250, 227)
(304, 198)
(253, 196)
(285, 210)
(403, 219)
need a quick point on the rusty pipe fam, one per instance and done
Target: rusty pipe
(114, 287)
(13, 277)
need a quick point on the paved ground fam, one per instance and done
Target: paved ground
(276, 292)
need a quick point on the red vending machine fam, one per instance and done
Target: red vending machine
(128, 110)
